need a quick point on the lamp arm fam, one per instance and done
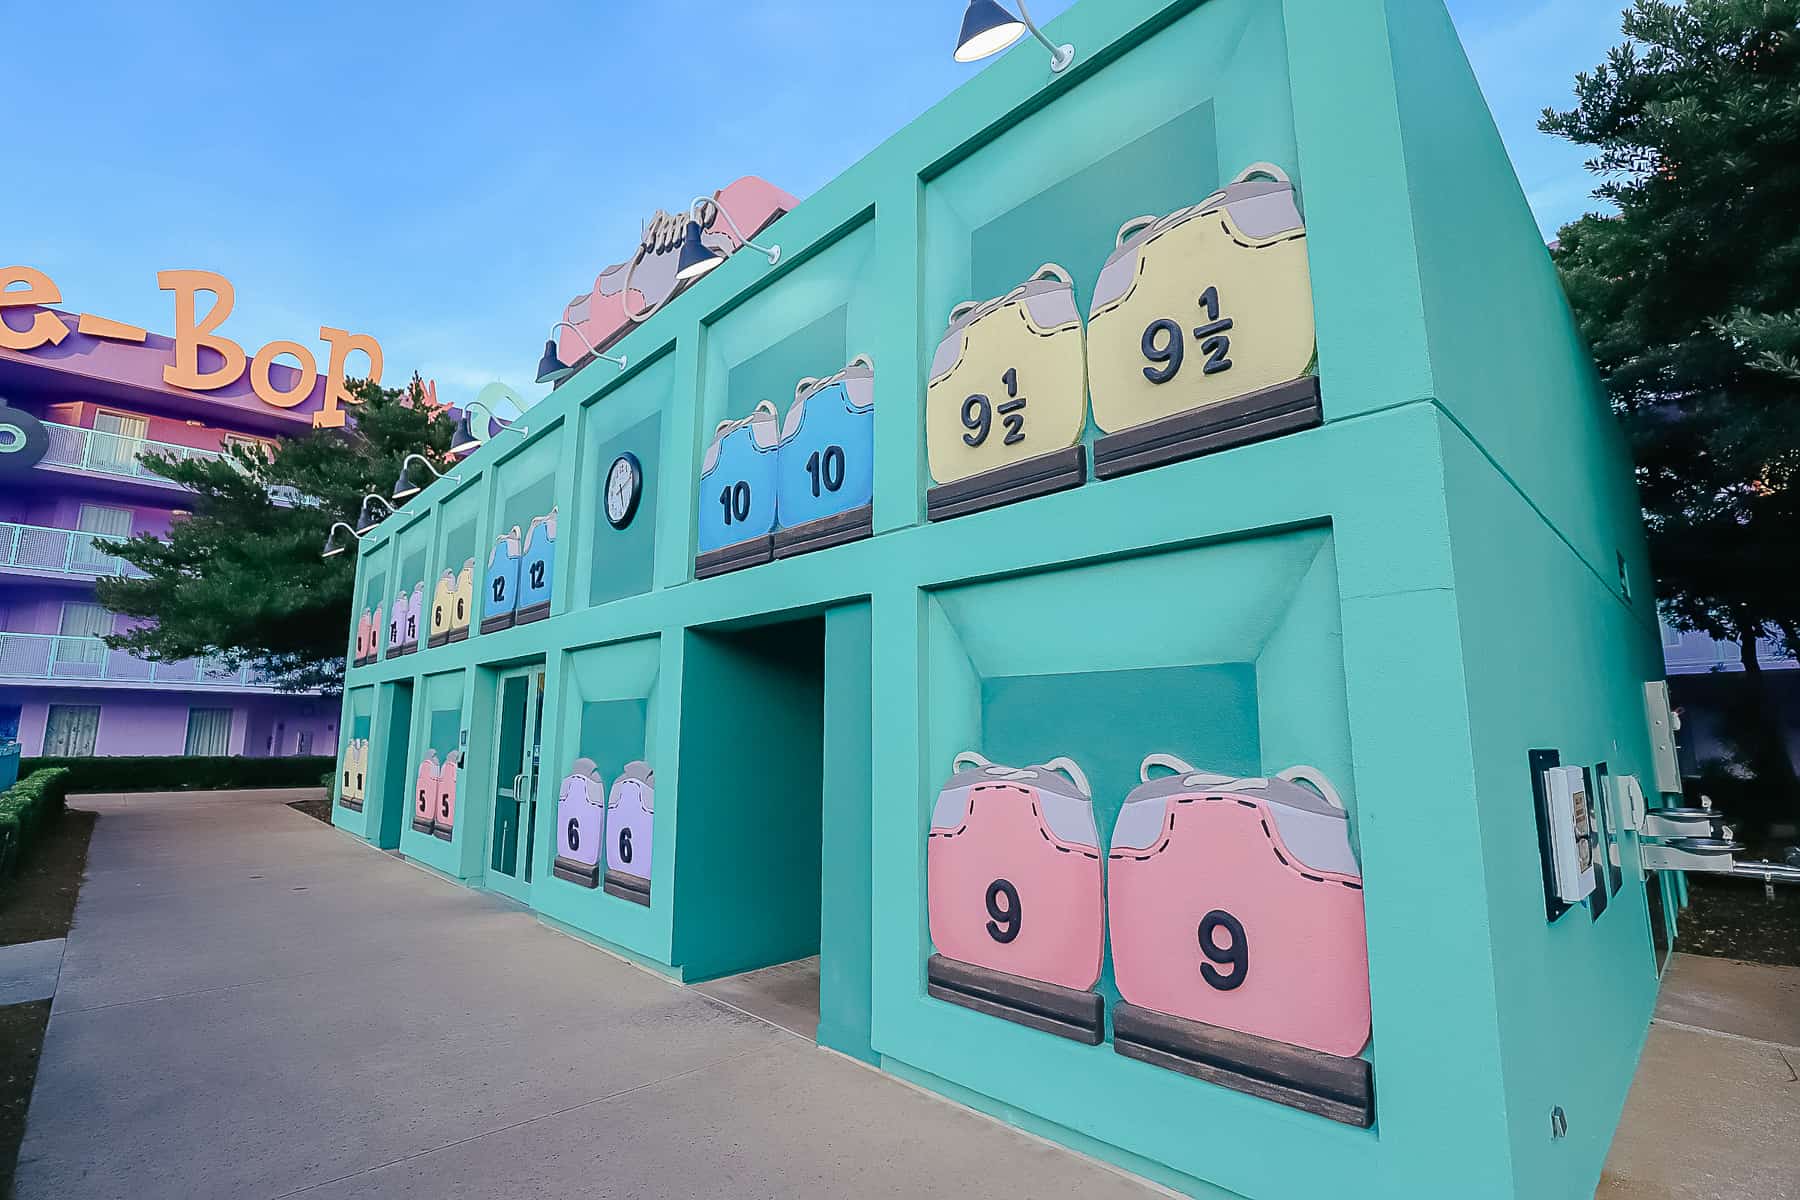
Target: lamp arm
(337, 525)
(1060, 56)
(700, 202)
(423, 462)
(592, 349)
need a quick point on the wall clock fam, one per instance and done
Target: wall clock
(624, 488)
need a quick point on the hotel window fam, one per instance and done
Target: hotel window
(106, 522)
(246, 441)
(71, 730)
(79, 628)
(117, 438)
(208, 732)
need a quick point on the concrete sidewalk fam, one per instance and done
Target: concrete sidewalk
(252, 1004)
(1714, 1108)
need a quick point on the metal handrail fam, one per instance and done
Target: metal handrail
(63, 551)
(112, 453)
(1768, 872)
(50, 656)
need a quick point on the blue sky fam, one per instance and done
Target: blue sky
(445, 176)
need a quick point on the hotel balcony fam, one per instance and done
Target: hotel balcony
(96, 455)
(45, 553)
(46, 658)
(92, 452)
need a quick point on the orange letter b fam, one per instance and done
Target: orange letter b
(190, 335)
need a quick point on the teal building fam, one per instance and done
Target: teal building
(1159, 758)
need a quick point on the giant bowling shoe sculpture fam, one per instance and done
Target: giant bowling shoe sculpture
(1236, 911)
(1014, 886)
(1201, 330)
(425, 791)
(630, 827)
(580, 825)
(444, 819)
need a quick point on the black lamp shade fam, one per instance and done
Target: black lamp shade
(333, 547)
(405, 488)
(552, 369)
(986, 29)
(696, 258)
(367, 519)
(464, 440)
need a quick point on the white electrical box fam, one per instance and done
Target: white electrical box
(1663, 727)
(1571, 833)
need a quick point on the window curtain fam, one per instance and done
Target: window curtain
(208, 732)
(107, 522)
(71, 730)
(79, 625)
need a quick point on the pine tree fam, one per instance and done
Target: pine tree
(1690, 296)
(240, 579)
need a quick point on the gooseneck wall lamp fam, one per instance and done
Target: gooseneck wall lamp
(552, 369)
(988, 28)
(405, 488)
(367, 520)
(467, 441)
(697, 258)
(333, 547)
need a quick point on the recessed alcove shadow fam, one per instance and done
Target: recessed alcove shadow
(1056, 186)
(610, 563)
(604, 788)
(1226, 656)
(439, 725)
(752, 803)
(808, 324)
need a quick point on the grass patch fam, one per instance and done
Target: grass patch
(1735, 919)
(36, 903)
(39, 902)
(21, 1041)
(316, 807)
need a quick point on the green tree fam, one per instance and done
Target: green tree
(1689, 294)
(240, 578)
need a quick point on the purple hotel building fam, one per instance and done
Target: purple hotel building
(98, 395)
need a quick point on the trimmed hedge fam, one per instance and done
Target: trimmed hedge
(175, 773)
(26, 809)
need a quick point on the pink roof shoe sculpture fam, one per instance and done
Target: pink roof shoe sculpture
(632, 291)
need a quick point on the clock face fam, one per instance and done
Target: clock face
(624, 485)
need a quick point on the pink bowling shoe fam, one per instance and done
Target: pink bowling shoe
(1238, 903)
(1014, 872)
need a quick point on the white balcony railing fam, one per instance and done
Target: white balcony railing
(59, 552)
(77, 659)
(112, 453)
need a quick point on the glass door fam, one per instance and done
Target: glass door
(518, 739)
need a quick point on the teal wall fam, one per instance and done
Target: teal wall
(1385, 597)
(846, 850)
(1557, 665)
